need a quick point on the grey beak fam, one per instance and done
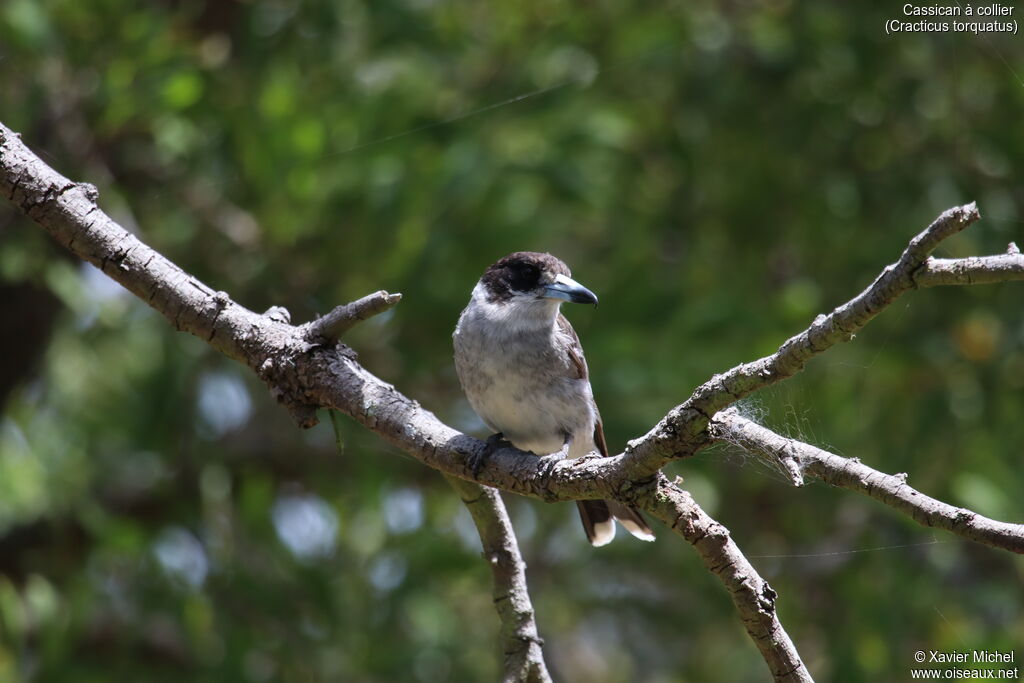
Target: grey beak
(569, 290)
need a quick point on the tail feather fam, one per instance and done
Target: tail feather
(598, 517)
(597, 521)
(631, 518)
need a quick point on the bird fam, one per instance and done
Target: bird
(521, 366)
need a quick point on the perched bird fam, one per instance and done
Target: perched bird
(522, 368)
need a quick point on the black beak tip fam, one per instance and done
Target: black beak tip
(584, 298)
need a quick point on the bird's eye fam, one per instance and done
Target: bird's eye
(524, 276)
(531, 274)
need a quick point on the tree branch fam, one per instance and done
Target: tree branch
(753, 597)
(849, 473)
(68, 211)
(684, 430)
(524, 656)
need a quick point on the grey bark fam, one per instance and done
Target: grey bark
(850, 473)
(524, 656)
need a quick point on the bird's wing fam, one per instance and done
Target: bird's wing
(599, 441)
(579, 364)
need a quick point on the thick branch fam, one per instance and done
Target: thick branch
(684, 430)
(891, 489)
(524, 656)
(753, 597)
(69, 212)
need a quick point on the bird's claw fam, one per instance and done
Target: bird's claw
(478, 460)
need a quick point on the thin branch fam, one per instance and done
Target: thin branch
(753, 597)
(849, 473)
(684, 430)
(972, 270)
(524, 656)
(343, 318)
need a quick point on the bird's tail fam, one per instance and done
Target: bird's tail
(631, 518)
(598, 517)
(597, 521)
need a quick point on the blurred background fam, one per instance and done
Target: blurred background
(718, 173)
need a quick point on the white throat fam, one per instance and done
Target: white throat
(521, 313)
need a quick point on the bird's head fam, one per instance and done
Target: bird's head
(531, 278)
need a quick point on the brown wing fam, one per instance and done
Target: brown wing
(576, 360)
(579, 364)
(599, 441)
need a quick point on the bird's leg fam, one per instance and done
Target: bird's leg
(564, 451)
(549, 461)
(493, 443)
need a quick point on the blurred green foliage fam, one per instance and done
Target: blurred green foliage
(718, 173)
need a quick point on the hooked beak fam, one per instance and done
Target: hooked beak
(569, 290)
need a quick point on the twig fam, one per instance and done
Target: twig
(972, 270)
(891, 489)
(524, 656)
(343, 318)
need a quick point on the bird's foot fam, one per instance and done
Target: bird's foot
(493, 443)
